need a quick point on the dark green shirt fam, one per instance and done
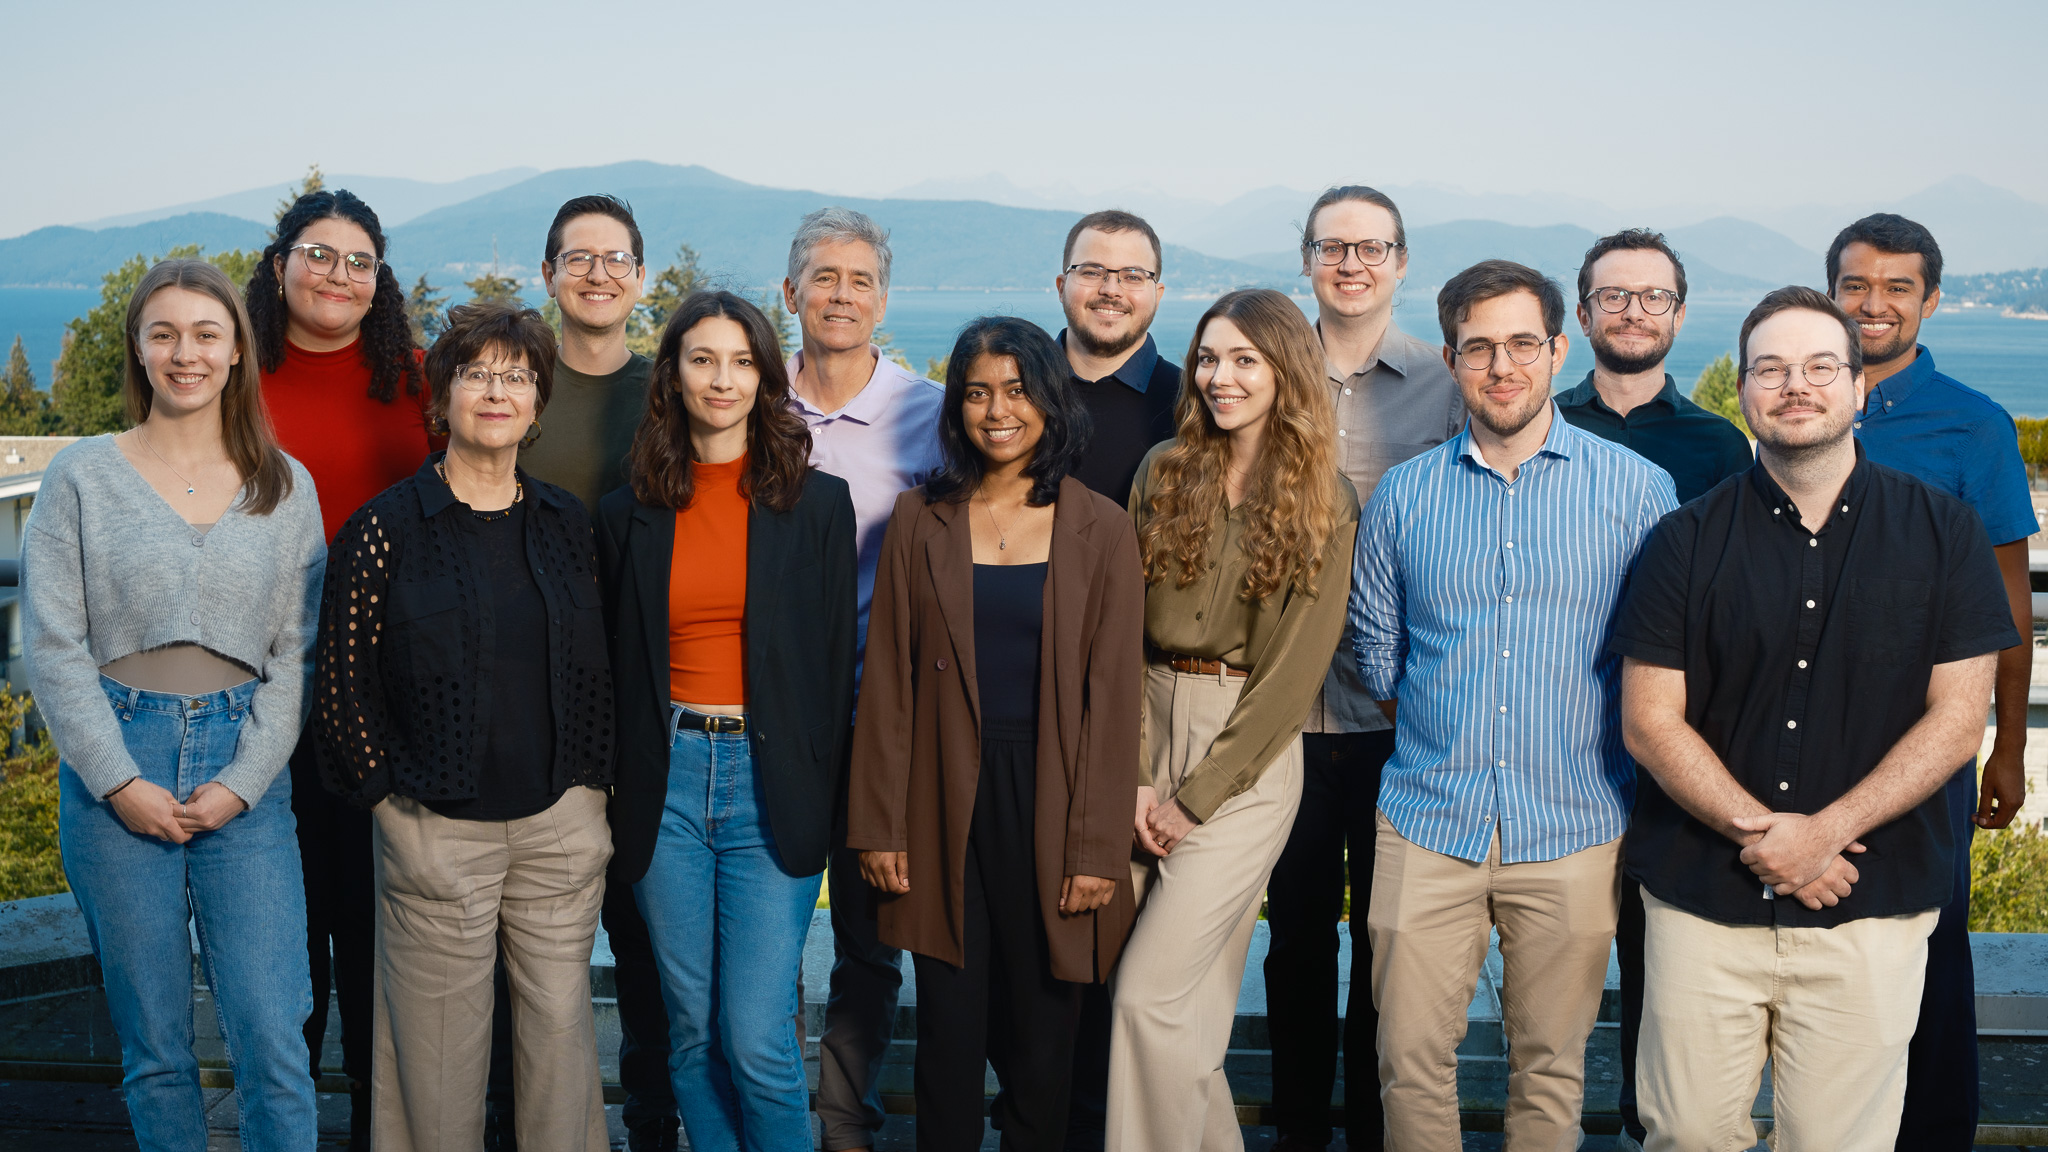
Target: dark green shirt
(587, 429)
(1698, 447)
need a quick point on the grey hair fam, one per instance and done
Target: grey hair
(837, 223)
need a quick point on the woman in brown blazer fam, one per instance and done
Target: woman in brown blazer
(994, 758)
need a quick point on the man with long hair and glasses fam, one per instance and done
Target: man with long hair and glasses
(1631, 308)
(1394, 400)
(1487, 572)
(1885, 272)
(1809, 655)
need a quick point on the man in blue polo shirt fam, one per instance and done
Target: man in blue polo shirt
(1885, 272)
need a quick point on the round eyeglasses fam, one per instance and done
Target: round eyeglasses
(1478, 355)
(1371, 253)
(1772, 374)
(579, 263)
(362, 266)
(1655, 301)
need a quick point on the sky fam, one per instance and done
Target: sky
(124, 106)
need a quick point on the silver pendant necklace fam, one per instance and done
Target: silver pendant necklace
(1002, 538)
(189, 490)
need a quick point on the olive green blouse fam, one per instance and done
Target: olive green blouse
(1286, 640)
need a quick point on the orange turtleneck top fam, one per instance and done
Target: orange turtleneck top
(707, 590)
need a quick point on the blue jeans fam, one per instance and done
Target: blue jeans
(728, 922)
(242, 885)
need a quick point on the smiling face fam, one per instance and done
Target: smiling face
(1234, 378)
(1002, 422)
(1351, 289)
(1799, 415)
(1505, 397)
(496, 416)
(186, 343)
(1632, 340)
(840, 299)
(1886, 294)
(1109, 319)
(325, 309)
(718, 375)
(595, 301)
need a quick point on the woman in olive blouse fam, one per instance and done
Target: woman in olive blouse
(1246, 528)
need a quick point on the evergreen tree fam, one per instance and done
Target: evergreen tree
(778, 318)
(493, 286)
(887, 344)
(23, 407)
(312, 183)
(935, 367)
(423, 308)
(1715, 391)
(664, 293)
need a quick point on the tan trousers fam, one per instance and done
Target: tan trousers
(1832, 1008)
(448, 893)
(1176, 986)
(1428, 925)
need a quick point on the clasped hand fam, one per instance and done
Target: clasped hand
(151, 810)
(1158, 827)
(1798, 857)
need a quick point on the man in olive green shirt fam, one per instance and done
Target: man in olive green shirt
(595, 272)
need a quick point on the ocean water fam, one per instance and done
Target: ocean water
(2007, 359)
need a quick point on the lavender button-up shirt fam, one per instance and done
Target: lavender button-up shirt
(885, 440)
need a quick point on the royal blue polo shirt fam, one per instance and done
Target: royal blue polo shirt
(1955, 438)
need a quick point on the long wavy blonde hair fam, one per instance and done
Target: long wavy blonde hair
(1290, 501)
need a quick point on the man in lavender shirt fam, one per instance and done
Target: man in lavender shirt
(874, 424)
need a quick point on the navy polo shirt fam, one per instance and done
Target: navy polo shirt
(1697, 447)
(1954, 438)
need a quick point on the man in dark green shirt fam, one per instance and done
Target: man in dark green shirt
(1631, 307)
(594, 269)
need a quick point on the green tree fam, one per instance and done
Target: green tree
(24, 409)
(778, 319)
(493, 286)
(313, 182)
(30, 863)
(887, 344)
(935, 367)
(664, 293)
(423, 309)
(2033, 443)
(1715, 391)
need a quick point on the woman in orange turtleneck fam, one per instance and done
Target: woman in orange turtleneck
(729, 571)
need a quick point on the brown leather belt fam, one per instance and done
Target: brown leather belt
(1196, 666)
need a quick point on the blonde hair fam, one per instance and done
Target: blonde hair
(1290, 502)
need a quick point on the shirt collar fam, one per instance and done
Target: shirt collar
(1558, 442)
(1397, 352)
(868, 405)
(1136, 370)
(436, 497)
(1902, 385)
(1774, 498)
(1586, 394)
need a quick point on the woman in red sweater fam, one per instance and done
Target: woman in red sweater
(342, 379)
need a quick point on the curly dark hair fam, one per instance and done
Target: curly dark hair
(778, 443)
(387, 346)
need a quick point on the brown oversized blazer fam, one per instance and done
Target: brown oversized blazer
(917, 739)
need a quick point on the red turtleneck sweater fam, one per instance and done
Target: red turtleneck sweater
(354, 446)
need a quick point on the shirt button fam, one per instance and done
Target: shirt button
(1809, 603)
(1503, 652)
(1774, 511)
(942, 663)
(199, 541)
(1503, 707)
(1509, 599)
(1500, 763)
(1859, 424)
(1791, 723)
(1340, 432)
(1802, 663)
(1784, 785)
(1511, 543)
(1347, 391)
(1813, 543)
(195, 620)
(1887, 403)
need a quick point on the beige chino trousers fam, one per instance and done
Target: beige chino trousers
(448, 893)
(1832, 1008)
(1428, 924)
(1176, 986)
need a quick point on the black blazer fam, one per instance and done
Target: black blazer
(802, 576)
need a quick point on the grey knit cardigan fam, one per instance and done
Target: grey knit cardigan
(109, 569)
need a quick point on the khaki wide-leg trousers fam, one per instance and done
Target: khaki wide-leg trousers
(1176, 986)
(1833, 1009)
(448, 892)
(1428, 924)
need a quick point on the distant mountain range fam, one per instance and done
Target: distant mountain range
(988, 233)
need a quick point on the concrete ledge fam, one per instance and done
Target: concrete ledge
(44, 947)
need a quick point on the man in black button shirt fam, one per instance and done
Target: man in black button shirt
(1110, 290)
(1808, 656)
(1631, 308)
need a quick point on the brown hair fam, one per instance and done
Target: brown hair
(477, 327)
(244, 419)
(778, 444)
(1113, 220)
(1793, 298)
(1488, 280)
(1290, 506)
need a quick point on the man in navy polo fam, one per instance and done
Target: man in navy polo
(1885, 272)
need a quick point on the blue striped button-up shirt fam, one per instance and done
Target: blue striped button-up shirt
(1484, 606)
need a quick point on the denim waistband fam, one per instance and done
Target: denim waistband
(126, 699)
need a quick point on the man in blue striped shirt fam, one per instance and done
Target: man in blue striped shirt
(1486, 579)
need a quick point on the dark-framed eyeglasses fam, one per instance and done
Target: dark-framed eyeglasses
(478, 377)
(618, 265)
(1094, 274)
(1655, 301)
(1371, 253)
(362, 266)
(1478, 355)
(1772, 373)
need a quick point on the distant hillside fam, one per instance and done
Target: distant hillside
(2022, 291)
(64, 257)
(1980, 227)
(394, 198)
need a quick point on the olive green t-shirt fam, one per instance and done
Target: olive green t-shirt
(587, 429)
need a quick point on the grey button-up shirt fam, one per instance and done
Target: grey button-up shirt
(1401, 404)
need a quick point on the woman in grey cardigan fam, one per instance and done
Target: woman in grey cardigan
(171, 585)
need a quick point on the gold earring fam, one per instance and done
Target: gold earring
(439, 426)
(532, 435)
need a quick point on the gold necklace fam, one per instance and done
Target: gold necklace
(518, 493)
(1002, 538)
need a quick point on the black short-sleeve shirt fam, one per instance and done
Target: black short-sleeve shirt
(1699, 448)
(1806, 657)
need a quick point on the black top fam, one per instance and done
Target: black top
(515, 779)
(406, 667)
(1699, 448)
(1806, 658)
(1133, 409)
(801, 577)
(1009, 611)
